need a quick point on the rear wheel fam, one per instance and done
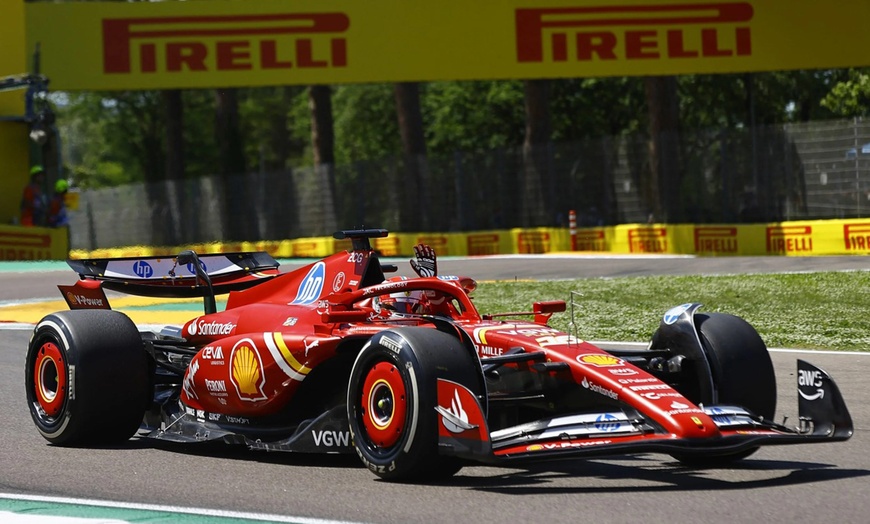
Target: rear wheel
(86, 377)
(392, 396)
(742, 374)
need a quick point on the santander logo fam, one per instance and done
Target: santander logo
(202, 327)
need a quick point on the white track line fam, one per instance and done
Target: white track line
(172, 509)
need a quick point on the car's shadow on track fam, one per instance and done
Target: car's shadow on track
(659, 475)
(633, 473)
(239, 452)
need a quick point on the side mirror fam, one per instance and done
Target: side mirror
(545, 309)
(187, 257)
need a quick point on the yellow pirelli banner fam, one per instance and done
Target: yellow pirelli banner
(222, 43)
(14, 145)
(33, 243)
(798, 238)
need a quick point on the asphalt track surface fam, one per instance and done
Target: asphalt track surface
(802, 483)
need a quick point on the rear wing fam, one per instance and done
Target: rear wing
(166, 277)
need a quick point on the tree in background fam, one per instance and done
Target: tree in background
(536, 188)
(850, 97)
(159, 196)
(414, 212)
(118, 137)
(323, 145)
(662, 187)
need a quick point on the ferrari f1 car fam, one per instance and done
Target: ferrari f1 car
(330, 359)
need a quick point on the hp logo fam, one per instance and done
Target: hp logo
(143, 269)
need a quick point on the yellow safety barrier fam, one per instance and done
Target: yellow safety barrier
(799, 238)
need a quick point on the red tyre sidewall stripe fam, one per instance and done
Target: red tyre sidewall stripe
(385, 432)
(50, 355)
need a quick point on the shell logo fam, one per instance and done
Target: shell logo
(535, 447)
(246, 372)
(601, 361)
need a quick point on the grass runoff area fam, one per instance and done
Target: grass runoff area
(825, 310)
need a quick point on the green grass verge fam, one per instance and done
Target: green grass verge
(826, 310)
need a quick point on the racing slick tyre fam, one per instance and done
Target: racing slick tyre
(392, 396)
(742, 373)
(86, 377)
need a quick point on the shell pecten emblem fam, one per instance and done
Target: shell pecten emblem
(247, 374)
(600, 360)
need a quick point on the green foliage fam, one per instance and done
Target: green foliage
(473, 116)
(808, 310)
(103, 130)
(850, 97)
(200, 145)
(275, 135)
(591, 107)
(365, 122)
(105, 174)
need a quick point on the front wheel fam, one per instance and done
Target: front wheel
(86, 377)
(742, 374)
(392, 396)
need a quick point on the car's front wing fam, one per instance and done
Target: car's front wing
(823, 417)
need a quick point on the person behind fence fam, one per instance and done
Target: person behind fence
(57, 216)
(33, 202)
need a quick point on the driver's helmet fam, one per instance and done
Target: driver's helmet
(405, 302)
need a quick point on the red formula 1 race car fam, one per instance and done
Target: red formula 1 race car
(406, 373)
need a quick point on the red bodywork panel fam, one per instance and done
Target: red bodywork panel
(258, 351)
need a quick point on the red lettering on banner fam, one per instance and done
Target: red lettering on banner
(388, 246)
(648, 240)
(533, 242)
(269, 56)
(678, 47)
(856, 237)
(605, 32)
(225, 42)
(304, 249)
(589, 44)
(148, 58)
(191, 54)
(24, 254)
(24, 245)
(641, 44)
(789, 239)
(716, 239)
(483, 244)
(438, 243)
(233, 55)
(26, 239)
(591, 240)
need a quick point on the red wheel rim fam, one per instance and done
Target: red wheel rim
(49, 378)
(384, 404)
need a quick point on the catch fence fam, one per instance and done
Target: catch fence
(766, 174)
